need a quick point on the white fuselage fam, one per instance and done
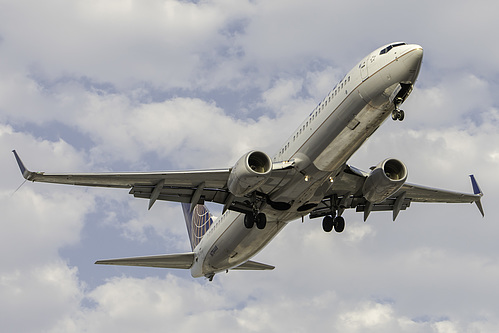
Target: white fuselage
(320, 147)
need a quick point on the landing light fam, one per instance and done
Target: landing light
(307, 178)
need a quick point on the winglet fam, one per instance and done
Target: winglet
(25, 172)
(477, 191)
(476, 188)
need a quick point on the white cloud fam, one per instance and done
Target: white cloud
(42, 293)
(108, 84)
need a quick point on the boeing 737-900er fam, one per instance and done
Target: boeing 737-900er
(309, 175)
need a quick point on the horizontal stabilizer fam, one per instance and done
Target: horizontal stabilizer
(253, 266)
(181, 261)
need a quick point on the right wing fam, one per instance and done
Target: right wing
(346, 193)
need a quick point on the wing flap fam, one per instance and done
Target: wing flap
(181, 261)
(180, 194)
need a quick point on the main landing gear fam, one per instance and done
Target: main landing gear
(338, 223)
(260, 219)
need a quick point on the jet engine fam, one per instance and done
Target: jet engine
(384, 180)
(249, 172)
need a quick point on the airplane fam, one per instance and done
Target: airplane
(309, 175)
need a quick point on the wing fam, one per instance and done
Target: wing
(346, 193)
(194, 187)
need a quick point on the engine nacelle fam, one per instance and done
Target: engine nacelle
(249, 172)
(384, 180)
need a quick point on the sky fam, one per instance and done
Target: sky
(129, 85)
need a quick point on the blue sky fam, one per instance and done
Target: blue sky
(114, 85)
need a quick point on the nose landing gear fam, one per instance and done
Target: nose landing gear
(398, 114)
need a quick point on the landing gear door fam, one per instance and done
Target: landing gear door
(363, 69)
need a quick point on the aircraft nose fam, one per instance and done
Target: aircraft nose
(412, 60)
(416, 53)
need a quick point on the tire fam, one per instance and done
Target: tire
(327, 223)
(395, 115)
(261, 221)
(339, 224)
(401, 115)
(249, 221)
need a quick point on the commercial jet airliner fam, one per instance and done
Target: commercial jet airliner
(309, 175)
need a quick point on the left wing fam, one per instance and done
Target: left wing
(193, 187)
(346, 193)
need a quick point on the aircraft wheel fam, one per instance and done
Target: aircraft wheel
(249, 221)
(395, 114)
(339, 224)
(401, 115)
(327, 223)
(261, 221)
(398, 114)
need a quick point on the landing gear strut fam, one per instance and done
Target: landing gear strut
(398, 114)
(259, 219)
(338, 223)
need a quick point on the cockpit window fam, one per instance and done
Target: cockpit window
(389, 47)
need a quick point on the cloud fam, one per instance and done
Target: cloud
(45, 292)
(114, 85)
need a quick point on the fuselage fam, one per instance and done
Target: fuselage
(319, 148)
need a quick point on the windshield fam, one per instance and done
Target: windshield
(391, 46)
